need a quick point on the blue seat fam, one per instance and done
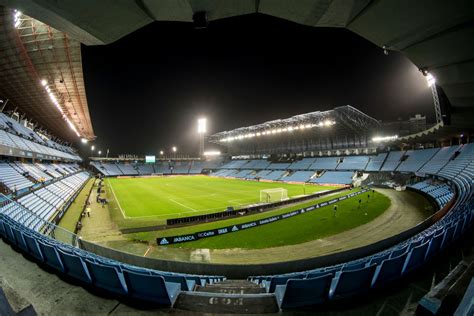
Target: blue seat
(20, 242)
(151, 288)
(74, 266)
(389, 270)
(106, 277)
(199, 281)
(186, 285)
(448, 236)
(50, 256)
(353, 266)
(349, 283)
(33, 248)
(9, 234)
(280, 280)
(2, 228)
(304, 292)
(416, 257)
(435, 245)
(378, 259)
(316, 274)
(399, 251)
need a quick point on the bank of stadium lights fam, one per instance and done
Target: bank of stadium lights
(212, 153)
(430, 80)
(274, 131)
(51, 95)
(379, 139)
(202, 126)
(17, 18)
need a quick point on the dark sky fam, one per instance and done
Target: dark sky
(146, 90)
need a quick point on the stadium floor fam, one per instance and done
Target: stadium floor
(407, 209)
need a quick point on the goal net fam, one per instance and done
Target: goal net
(273, 195)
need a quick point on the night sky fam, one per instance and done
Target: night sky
(146, 90)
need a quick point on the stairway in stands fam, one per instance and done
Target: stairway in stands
(230, 296)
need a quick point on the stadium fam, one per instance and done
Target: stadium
(304, 209)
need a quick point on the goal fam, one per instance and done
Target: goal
(273, 195)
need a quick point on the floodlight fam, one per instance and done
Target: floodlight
(430, 79)
(161, 152)
(92, 147)
(83, 140)
(202, 128)
(212, 153)
(174, 149)
(44, 83)
(327, 123)
(100, 152)
(378, 139)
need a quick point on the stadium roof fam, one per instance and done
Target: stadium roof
(344, 119)
(37, 60)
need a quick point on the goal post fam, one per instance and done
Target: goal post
(273, 195)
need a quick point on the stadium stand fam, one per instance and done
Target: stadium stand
(415, 159)
(49, 169)
(439, 160)
(299, 176)
(241, 174)
(108, 169)
(181, 167)
(145, 169)
(353, 163)
(440, 191)
(197, 167)
(256, 164)
(274, 175)
(47, 200)
(334, 177)
(13, 179)
(325, 163)
(234, 164)
(392, 161)
(15, 135)
(375, 163)
(32, 171)
(302, 164)
(278, 166)
(127, 169)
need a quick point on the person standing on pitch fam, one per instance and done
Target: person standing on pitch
(334, 210)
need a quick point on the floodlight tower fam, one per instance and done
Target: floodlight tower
(434, 91)
(202, 129)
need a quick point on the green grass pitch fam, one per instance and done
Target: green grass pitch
(170, 197)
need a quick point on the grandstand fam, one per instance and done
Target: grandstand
(43, 179)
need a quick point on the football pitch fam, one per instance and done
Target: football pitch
(178, 196)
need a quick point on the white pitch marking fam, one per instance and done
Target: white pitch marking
(189, 208)
(118, 203)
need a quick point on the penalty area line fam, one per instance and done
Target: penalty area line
(189, 208)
